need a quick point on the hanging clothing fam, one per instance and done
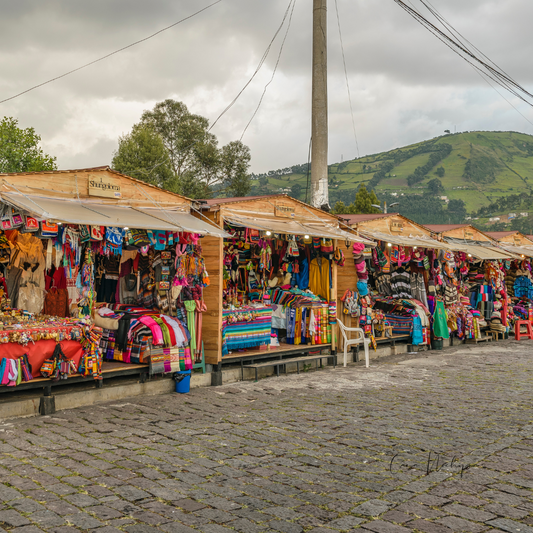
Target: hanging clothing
(440, 324)
(401, 283)
(302, 278)
(319, 277)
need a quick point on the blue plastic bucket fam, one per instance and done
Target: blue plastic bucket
(183, 381)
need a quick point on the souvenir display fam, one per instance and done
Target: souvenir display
(277, 290)
(73, 297)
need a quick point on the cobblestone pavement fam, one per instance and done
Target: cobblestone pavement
(432, 444)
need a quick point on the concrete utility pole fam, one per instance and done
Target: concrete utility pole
(319, 155)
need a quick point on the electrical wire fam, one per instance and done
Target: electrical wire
(493, 72)
(261, 62)
(460, 37)
(346, 76)
(273, 73)
(109, 55)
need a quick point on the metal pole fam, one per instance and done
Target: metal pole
(319, 157)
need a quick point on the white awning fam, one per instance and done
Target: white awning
(518, 250)
(95, 214)
(409, 241)
(294, 227)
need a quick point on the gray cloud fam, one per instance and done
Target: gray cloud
(406, 85)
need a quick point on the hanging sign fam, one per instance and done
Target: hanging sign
(284, 211)
(396, 226)
(105, 187)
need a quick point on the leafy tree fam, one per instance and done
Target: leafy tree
(362, 204)
(435, 186)
(141, 154)
(440, 172)
(235, 162)
(457, 210)
(263, 181)
(296, 190)
(192, 153)
(340, 208)
(20, 150)
(364, 200)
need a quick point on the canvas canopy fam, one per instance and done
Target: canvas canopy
(294, 227)
(82, 211)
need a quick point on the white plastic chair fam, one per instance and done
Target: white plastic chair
(360, 339)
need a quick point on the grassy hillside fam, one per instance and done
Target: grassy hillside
(479, 168)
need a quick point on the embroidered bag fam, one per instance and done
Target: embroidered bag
(31, 225)
(85, 233)
(97, 233)
(49, 229)
(326, 246)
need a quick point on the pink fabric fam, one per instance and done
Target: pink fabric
(154, 328)
(358, 247)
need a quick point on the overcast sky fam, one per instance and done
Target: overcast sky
(406, 85)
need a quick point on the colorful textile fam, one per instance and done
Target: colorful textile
(246, 334)
(440, 324)
(401, 325)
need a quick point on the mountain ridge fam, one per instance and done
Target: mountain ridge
(477, 167)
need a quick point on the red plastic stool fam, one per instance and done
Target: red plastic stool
(518, 335)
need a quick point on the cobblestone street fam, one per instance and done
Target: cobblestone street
(433, 444)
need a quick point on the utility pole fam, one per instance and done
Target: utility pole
(319, 132)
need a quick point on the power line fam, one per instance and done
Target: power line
(109, 55)
(493, 72)
(261, 62)
(273, 73)
(346, 76)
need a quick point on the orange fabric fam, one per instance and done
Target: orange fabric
(40, 351)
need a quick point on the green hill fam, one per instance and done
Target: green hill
(476, 167)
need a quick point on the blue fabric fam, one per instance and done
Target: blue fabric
(362, 288)
(523, 288)
(302, 278)
(418, 337)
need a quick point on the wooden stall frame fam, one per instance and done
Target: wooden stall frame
(213, 252)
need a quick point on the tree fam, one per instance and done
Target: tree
(457, 210)
(296, 190)
(363, 201)
(234, 164)
(440, 172)
(141, 154)
(435, 186)
(20, 150)
(192, 153)
(340, 208)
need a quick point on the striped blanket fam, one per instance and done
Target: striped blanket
(401, 325)
(241, 335)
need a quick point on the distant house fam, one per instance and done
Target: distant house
(524, 214)
(445, 198)
(494, 219)
(510, 216)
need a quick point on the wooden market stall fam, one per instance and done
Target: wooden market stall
(268, 222)
(514, 238)
(395, 231)
(92, 239)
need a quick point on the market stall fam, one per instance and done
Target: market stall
(488, 279)
(274, 281)
(424, 286)
(99, 271)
